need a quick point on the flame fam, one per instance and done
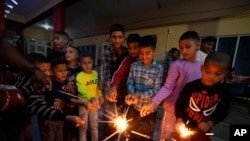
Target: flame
(121, 124)
(184, 131)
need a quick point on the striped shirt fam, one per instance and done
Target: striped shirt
(146, 82)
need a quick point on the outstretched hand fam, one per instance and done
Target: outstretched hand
(76, 120)
(147, 109)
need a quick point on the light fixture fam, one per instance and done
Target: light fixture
(7, 11)
(9, 5)
(15, 2)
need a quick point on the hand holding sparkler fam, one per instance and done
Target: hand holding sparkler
(112, 94)
(147, 109)
(77, 121)
(95, 103)
(205, 126)
(132, 98)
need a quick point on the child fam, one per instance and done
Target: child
(145, 78)
(204, 102)
(53, 130)
(123, 71)
(170, 57)
(71, 57)
(111, 59)
(87, 86)
(61, 39)
(180, 72)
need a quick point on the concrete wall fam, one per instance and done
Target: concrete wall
(168, 36)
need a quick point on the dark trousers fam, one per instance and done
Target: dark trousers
(142, 125)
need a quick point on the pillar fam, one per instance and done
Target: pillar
(2, 18)
(59, 19)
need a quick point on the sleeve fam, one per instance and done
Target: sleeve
(221, 111)
(81, 88)
(106, 74)
(169, 84)
(36, 105)
(120, 72)
(157, 84)
(182, 102)
(130, 81)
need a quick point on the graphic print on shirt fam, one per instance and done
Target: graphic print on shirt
(91, 82)
(202, 105)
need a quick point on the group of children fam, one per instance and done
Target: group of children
(193, 91)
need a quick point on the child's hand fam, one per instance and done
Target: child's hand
(90, 107)
(58, 104)
(77, 121)
(132, 98)
(147, 109)
(112, 94)
(205, 126)
(70, 87)
(95, 103)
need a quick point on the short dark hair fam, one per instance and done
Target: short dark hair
(36, 58)
(57, 61)
(209, 39)
(83, 55)
(116, 27)
(133, 38)
(148, 41)
(218, 57)
(63, 33)
(193, 35)
(173, 50)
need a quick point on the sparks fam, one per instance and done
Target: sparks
(185, 132)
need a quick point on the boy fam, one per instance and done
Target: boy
(53, 130)
(145, 78)
(111, 59)
(207, 47)
(123, 71)
(180, 72)
(61, 40)
(87, 86)
(204, 102)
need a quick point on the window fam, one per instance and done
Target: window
(238, 47)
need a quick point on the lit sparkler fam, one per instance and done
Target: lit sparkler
(184, 131)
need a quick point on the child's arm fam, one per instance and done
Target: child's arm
(169, 84)
(81, 88)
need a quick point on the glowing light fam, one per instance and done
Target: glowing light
(121, 124)
(7, 11)
(184, 131)
(15, 2)
(9, 6)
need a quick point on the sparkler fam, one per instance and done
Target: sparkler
(120, 123)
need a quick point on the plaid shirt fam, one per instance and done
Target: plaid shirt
(111, 61)
(144, 81)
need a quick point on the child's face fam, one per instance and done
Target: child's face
(213, 73)
(117, 38)
(86, 63)
(133, 49)
(208, 47)
(45, 68)
(188, 49)
(60, 72)
(146, 55)
(60, 41)
(71, 54)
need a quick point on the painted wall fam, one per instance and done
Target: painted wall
(38, 33)
(168, 36)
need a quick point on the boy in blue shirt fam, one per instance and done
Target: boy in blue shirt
(145, 78)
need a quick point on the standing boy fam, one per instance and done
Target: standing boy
(87, 86)
(204, 102)
(123, 71)
(145, 78)
(61, 40)
(111, 59)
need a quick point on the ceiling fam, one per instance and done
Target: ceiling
(81, 13)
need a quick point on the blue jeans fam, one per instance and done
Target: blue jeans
(93, 118)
